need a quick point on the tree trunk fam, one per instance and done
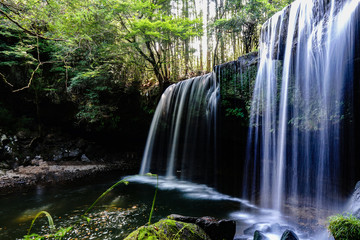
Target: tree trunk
(208, 38)
(186, 42)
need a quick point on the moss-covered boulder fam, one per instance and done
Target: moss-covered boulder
(344, 227)
(169, 229)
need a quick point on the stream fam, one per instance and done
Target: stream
(128, 206)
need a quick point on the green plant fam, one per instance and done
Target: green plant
(50, 220)
(156, 189)
(344, 227)
(124, 181)
(235, 112)
(168, 229)
(57, 235)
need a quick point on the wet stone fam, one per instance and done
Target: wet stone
(262, 227)
(216, 229)
(260, 236)
(289, 235)
(84, 158)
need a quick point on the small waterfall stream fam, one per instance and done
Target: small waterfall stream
(302, 105)
(181, 141)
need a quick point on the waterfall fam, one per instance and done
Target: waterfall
(301, 112)
(181, 141)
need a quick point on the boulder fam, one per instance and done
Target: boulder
(74, 153)
(263, 227)
(169, 229)
(216, 229)
(289, 235)
(259, 236)
(84, 158)
(57, 156)
(182, 218)
(4, 139)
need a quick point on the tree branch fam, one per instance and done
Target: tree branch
(4, 78)
(27, 30)
(37, 67)
(147, 58)
(30, 81)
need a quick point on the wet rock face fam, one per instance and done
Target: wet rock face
(355, 201)
(216, 229)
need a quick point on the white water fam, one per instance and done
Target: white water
(301, 102)
(181, 139)
(271, 222)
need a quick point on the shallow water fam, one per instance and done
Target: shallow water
(128, 206)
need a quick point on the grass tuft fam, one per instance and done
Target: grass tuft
(344, 227)
(156, 190)
(50, 220)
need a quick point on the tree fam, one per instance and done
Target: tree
(246, 18)
(149, 29)
(94, 53)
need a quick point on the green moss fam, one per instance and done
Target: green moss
(344, 227)
(168, 229)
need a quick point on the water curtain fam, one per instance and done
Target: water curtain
(181, 141)
(301, 110)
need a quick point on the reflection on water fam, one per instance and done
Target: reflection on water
(128, 207)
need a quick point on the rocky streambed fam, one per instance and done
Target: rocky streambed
(27, 160)
(41, 172)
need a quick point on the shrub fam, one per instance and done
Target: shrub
(344, 227)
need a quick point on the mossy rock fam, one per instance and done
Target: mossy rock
(169, 229)
(344, 227)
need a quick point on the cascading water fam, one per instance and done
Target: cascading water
(181, 141)
(302, 104)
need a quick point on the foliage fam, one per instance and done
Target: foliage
(11, 121)
(169, 229)
(56, 235)
(5, 116)
(245, 19)
(113, 59)
(344, 227)
(235, 112)
(150, 30)
(90, 52)
(236, 91)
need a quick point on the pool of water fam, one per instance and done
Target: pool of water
(128, 206)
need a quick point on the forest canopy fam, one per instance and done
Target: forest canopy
(90, 52)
